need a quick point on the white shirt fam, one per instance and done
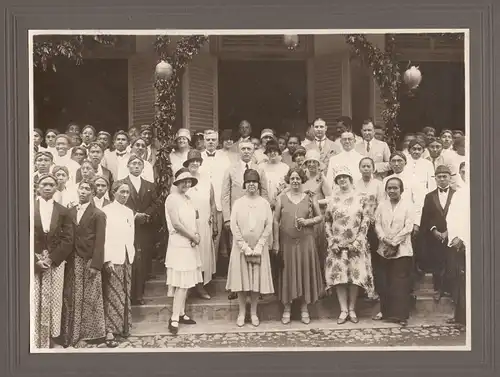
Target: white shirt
(422, 173)
(123, 172)
(215, 167)
(344, 159)
(46, 209)
(136, 181)
(71, 164)
(80, 211)
(443, 197)
(67, 197)
(99, 203)
(410, 193)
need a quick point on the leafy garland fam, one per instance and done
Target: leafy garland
(47, 48)
(166, 90)
(386, 70)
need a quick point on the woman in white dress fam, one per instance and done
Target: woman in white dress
(179, 154)
(182, 261)
(274, 169)
(203, 199)
(250, 263)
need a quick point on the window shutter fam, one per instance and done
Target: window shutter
(327, 91)
(379, 105)
(201, 103)
(141, 69)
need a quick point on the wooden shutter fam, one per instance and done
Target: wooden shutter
(327, 87)
(201, 105)
(378, 104)
(142, 92)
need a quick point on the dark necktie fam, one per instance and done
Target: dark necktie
(247, 167)
(368, 146)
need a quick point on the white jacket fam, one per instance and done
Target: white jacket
(120, 230)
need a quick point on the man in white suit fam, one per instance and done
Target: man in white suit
(118, 158)
(377, 150)
(321, 143)
(348, 158)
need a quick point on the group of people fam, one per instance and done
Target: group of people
(290, 215)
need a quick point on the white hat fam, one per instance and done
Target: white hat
(267, 132)
(313, 155)
(183, 132)
(184, 174)
(342, 171)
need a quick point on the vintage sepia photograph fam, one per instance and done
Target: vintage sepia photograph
(249, 190)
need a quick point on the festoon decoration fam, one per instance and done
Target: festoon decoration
(168, 73)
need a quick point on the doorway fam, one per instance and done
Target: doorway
(267, 93)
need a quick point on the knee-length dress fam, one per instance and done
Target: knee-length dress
(301, 275)
(348, 260)
(182, 260)
(200, 198)
(251, 225)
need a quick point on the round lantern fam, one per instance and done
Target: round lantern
(164, 70)
(291, 41)
(412, 77)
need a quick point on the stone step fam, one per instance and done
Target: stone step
(157, 286)
(158, 309)
(229, 327)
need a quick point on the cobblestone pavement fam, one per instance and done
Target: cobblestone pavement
(382, 337)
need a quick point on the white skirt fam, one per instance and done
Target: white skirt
(183, 265)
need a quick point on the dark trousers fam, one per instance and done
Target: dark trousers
(140, 270)
(456, 278)
(373, 243)
(395, 284)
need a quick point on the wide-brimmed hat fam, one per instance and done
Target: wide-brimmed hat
(250, 175)
(183, 132)
(300, 150)
(193, 155)
(183, 175)
(342, 171)
(313, 155)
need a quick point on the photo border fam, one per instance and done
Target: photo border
(190, 14)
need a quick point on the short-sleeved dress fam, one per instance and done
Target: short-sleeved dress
(348, 260)
(251, 225)
(182, 261)
(301, 275)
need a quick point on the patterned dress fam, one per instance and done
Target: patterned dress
(348, 260)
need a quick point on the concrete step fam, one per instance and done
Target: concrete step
(158, 309)
(229, 327)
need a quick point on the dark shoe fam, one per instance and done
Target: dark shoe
(185, 320)
(378, 317)
(403, 323)
(437, 296)
(202, 293)
(173, 329)
(111, 343)
(232, 296)
(451, 321)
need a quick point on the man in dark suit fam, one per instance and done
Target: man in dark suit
(146, 133)
(143, 201)
(434, 229)
(53, 234)
(83, 310)
(96, 154)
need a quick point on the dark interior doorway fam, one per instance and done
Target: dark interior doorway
(269, 94)
(95, 92)
(438, 102)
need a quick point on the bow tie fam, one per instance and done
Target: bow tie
(121, 154)
(210, 155)
(445, 190)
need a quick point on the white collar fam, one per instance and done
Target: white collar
(244, 164)
(133, 178)
(83, 207)
(206, 152)
(317, 139)
(45, 202)
(96, 199)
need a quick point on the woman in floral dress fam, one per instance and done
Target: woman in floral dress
(348, 263)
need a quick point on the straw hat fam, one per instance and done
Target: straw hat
(182, 175)
(342, 171)
(183, 132)
(313, 155)
(193, 155)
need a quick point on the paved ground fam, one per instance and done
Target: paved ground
(378, 337)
